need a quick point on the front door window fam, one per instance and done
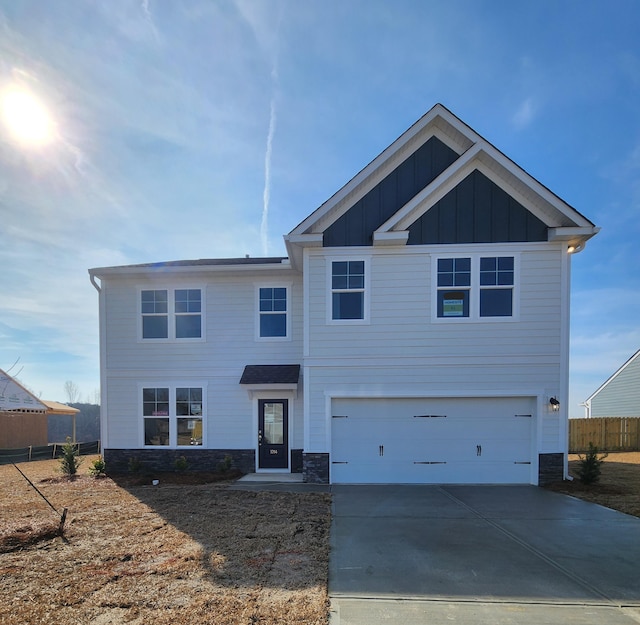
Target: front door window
(273, 434)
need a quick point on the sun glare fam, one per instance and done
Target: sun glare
(26, 118)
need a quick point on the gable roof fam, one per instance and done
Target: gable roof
(621, 370)
(471, 153)
(15, 397)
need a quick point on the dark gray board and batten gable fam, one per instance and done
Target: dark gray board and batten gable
(476, 211)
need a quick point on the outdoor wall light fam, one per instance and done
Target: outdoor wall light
(555, 404)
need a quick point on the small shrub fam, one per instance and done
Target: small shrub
(98, 467)
(134, 465)
(590, 465)
(181, 464)
(224, 465)
(69, 462)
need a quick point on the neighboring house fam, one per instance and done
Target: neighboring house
(23, 417)
(619, 396)
(83, 426)
(418, 332)
(55, 410)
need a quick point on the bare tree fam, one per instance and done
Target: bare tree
(72, 391)
(94, 397)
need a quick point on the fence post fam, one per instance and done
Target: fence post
(30, 448)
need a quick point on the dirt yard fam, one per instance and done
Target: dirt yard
(184, 553)
(172, 553)
(619, 485)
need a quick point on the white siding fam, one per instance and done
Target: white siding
(230, 344)
(401, 317)
(403, 351)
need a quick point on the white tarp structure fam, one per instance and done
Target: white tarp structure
(13, 396)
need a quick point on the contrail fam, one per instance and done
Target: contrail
(149, 19)
(266, 194)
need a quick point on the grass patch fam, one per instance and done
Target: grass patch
(618, 487)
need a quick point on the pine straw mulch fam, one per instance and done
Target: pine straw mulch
(177, 553)
(618, 487)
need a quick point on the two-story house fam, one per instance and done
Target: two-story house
(418, 332)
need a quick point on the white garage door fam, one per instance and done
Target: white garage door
(432, 441)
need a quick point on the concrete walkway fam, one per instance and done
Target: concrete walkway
(285, 482)
(476, 555)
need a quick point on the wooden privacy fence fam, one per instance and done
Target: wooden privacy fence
(606, 433)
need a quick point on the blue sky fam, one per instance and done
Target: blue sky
(204, 128)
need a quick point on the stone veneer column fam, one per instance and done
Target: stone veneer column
(315, 468)
(550, 468)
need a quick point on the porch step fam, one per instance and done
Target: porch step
(283, 478)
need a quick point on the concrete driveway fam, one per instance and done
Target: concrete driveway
(480, 554)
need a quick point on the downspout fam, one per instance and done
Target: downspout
(96, 286)
(564, 351)
(104, 438)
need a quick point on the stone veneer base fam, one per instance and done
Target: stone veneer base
(119, 460)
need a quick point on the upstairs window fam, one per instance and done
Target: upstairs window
(454, 287)
(347, 289)
(475, 287)
(188, 306)
(171, 313)
(496, 286)
(272, 307)
(155, 314)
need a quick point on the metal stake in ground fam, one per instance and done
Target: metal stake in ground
(63, 516)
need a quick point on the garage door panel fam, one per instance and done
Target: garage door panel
(423, 440)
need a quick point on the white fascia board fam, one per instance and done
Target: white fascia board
(295, 243)
(438, 122)
(105, 272)
(390, 238)
(573, 234)
(305, 240)
(478, 158)
(539, 189)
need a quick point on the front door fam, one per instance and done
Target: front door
(273, 444)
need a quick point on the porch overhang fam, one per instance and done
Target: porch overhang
(260, 378)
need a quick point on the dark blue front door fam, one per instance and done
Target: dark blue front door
(273, 434)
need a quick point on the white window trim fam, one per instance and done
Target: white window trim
(474, 289)
(171, 312)
(271, 285)
(367, 290)
(173, 417)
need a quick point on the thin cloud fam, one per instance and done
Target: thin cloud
(525, 114)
